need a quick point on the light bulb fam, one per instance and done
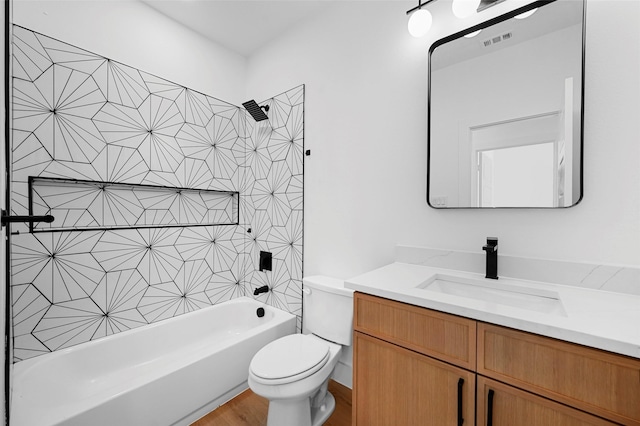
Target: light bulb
(420, 22)
(464, 8)
(526, 14)
(473, 34)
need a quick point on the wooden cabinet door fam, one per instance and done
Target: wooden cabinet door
(395, 386)
(602, 383)
(503, 405)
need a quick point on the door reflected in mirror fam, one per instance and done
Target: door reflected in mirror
(520, 176)
(505, 111)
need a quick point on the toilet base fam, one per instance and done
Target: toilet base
(323, 412)
(299, 412)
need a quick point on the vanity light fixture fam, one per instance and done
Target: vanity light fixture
(473, 34)
(526, 14)
(464, 8)
(420, 19)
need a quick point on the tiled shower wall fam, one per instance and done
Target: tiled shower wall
(80, 116)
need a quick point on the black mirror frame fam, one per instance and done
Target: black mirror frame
(488, 23)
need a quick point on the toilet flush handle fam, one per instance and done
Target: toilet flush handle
(306, 290)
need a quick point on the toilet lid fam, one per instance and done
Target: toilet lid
(290, 356)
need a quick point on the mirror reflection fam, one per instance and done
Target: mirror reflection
(505, 111)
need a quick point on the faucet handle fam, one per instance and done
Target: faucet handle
(492, 244)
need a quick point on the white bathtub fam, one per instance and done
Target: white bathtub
(169, 373)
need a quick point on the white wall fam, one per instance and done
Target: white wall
(130, 32)
(365, 123)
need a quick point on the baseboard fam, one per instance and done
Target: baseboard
(343, 374)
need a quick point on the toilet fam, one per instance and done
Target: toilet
(293, 372)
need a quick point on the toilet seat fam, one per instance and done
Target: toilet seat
(289, 359)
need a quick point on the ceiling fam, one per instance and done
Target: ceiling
(243, 26)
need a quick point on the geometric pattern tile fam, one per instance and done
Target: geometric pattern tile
(117, 296)
(69, 323)
(227, 285)
(247, 209)
(31, 59)
(194, 107)
(29, 305)
(86, 117)
(286, 244)
(216, 245)
(80, 205)
(270, 194)
(274, 205)
(27, 346)
(57, 107)
(257, 154)
(192, 281)
(225, 248)
(30, 158)
(185, 294)
(196, 243)
(161, 87)
(124, 85)
(151, 251)
(59, 265)
(137, 170)
(295, 192)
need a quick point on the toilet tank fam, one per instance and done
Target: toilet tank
(327, 309)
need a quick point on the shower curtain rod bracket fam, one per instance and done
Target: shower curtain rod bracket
(6, 218)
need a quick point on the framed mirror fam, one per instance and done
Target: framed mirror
(505, 111)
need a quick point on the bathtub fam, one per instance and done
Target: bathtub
(168, 373)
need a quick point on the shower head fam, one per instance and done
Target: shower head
(255, 110)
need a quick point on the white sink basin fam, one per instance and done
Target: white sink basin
(503, 292)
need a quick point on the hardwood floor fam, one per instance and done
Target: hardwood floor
(249, 409)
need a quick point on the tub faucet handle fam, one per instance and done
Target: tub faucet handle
(259, 290)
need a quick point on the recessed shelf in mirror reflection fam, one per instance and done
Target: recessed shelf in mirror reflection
(505, 111)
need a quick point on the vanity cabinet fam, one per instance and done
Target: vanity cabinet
(412, 366)
(416, 366)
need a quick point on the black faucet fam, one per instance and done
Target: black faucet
(492, 258)
(263, 289)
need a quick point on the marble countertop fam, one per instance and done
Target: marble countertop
(599, 319)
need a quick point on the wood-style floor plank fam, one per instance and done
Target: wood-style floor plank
(249, 409)
(342, 414)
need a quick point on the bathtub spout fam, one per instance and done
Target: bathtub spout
(263, 289)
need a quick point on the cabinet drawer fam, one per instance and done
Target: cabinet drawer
(510, 406)
(395, 386)
(595, 381)
(443, 336)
